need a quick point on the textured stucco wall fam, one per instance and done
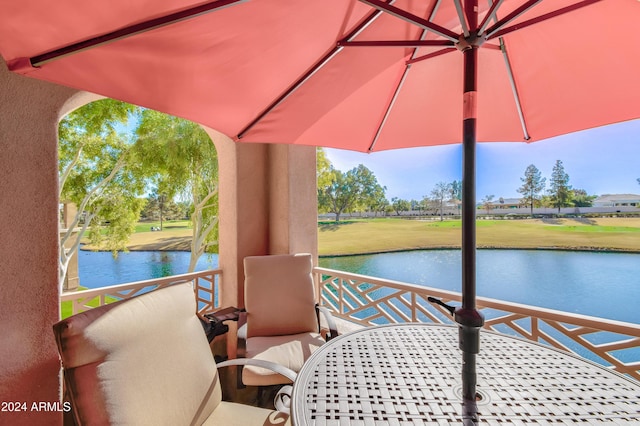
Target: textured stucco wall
(29, 366)
(293, 208)
(268, 205)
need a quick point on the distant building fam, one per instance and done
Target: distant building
(508, 203)
(617, 200)
(503, 203)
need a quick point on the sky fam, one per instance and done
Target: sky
(605, 160)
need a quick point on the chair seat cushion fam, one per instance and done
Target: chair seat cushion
(290, 351)
(232, 414)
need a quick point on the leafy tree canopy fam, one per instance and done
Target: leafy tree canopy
(340, 192)
(96, 175)
(560, 190)
(183, 161)
(580, 198)
(533, 185)
(399, 205)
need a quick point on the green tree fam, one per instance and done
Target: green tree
(324, 170)
(335, 195)
(344, 192)
(416, 205)
(168, 209)
(440, 194)
(580, 198)
(532, 186)
(184, 162)
(96, 174)
(546, 201)
(487, 202)
(378, 200)
(399, 205)
(370, 191)
(456, 190)
(560, 191)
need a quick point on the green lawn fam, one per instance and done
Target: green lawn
(166, 225)
(379, 235)
(65, 307)
(373, 235)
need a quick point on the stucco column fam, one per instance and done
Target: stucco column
(29, 299)
(268, 205)
(293, 207)
(243, 209)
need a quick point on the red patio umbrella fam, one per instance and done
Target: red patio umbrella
(365, 75)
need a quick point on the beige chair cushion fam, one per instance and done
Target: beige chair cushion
(290, 351)
(145, 361)
(279, 295)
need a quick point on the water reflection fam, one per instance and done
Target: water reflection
(161, 264)
(100, 269)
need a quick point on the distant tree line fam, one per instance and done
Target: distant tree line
(358, 191)
(560, 193)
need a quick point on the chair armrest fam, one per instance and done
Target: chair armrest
(282, 370)
(333, 329)
(241, 347)
(282, 400)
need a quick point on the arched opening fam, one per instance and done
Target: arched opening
(122, 166)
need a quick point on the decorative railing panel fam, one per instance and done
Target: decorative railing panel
(373, 301)
(205, 283)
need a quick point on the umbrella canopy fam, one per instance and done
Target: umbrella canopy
(310, 72)
(364, 75)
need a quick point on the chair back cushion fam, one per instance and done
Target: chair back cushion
(143, 361)
(279, 295)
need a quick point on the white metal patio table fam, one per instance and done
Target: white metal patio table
(409, 374)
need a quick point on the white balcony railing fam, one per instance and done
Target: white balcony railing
(205, 284)
(370, 301)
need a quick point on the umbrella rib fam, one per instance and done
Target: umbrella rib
(500, 32)
(131, 31)
(389, 108)
(463, 19)
(514, 89)
(431, 55)
(315, 68)
(510, 17)
(405, 72)
(413, 19)
(512, 81)
(396, 43)
(490, 15)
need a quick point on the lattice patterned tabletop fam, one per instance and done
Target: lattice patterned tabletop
(409, 374)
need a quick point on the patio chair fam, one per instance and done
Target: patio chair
(146, 361)
(281, 321)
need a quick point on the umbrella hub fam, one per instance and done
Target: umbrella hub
(473, 40)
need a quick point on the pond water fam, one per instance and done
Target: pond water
(605, 285)
(100, 269)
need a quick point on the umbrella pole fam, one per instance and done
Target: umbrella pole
(469, 319)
